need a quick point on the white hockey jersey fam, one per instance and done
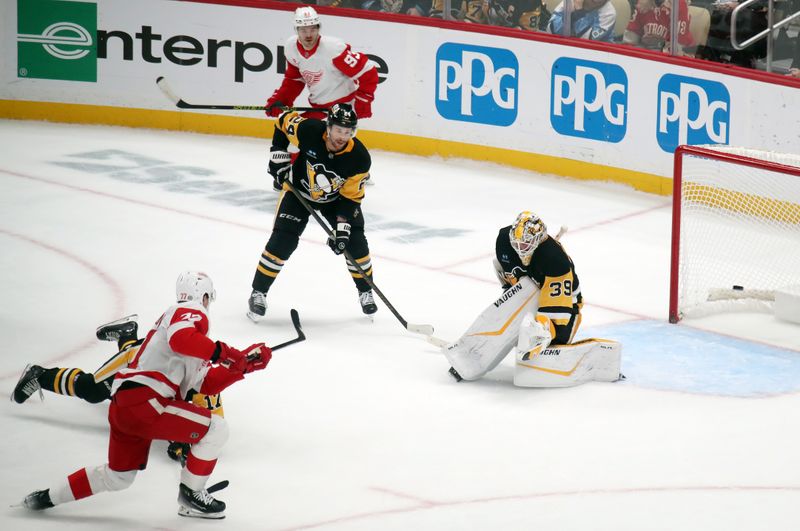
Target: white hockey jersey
(174, 357)
(330, 70)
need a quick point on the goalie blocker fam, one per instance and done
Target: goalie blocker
(509, 324)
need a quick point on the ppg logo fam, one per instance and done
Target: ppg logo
(692, 111)
(589, 99)
(476, 84)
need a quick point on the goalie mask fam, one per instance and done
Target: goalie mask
(305, 16)
(527, 232)
(192, 285)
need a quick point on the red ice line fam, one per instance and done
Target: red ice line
(119, 294)
(423, 504)
(115, 288)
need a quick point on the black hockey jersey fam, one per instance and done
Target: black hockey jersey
(552, 269)
(319, 175)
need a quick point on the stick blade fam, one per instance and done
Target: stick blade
(437, 341)
(424, 329)
(167, 91)
(296, 322)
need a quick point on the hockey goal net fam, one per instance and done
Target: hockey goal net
(735, 229)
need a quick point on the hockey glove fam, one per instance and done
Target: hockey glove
(258, 356)
(363, 105)
(227, 355)
(280, 166)
(338, 241)
(275, 108)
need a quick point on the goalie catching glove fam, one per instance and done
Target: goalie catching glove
(280, 167)
(338, 240)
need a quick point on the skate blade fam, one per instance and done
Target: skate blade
(254, 317)
(21, 376)
(192, 513)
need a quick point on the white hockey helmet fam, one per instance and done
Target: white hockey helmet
(192, 285)
(305, 16)
(525, 235)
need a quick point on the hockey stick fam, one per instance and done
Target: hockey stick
(424, 329)
(442, 343)
(297, 327)
(181, 104)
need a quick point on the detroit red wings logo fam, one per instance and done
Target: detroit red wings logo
(311, 78)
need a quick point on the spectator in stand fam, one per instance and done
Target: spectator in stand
(414, 8)
(591, 19)
(650, 27)
(437, 10)
(533, 15)
(475, 11)
(750, 21)
(336, 3)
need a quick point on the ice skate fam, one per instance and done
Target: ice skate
(367, 301)
(38, 500)
(121, 330)
(28, 384)
(258, 306)
(199, 504)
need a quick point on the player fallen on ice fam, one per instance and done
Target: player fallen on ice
(537, 317)
(330, 173)
(147, 404)
(96, 387)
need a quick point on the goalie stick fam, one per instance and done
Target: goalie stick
(424, 329)
(182, 104)
(442, 343)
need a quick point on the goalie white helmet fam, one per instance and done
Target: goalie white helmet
(525, 235)
(192, 285)
(305, 16)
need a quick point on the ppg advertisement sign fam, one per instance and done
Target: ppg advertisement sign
(476, 84)
(692, 111)
(589, 99)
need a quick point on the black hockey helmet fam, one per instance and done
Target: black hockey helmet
(342, 114)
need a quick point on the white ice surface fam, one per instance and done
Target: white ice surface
(360, 427)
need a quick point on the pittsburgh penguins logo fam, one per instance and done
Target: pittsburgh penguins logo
(322, 183)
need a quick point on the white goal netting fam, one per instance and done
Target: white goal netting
(736, 229)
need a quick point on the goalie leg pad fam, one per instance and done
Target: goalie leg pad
(494, 333)
(588, 360)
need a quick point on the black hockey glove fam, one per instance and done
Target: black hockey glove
(340, 237)
(280, 167)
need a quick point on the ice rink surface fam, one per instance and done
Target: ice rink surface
(361, 427)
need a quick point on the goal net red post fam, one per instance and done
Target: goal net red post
(735, 232)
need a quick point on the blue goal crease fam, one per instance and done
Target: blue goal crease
(659, 355)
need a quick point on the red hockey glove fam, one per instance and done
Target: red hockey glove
(363, 105)
(228, 356)
(258, 356)
(275, 108)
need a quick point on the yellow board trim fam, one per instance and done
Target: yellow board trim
(260, 127)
